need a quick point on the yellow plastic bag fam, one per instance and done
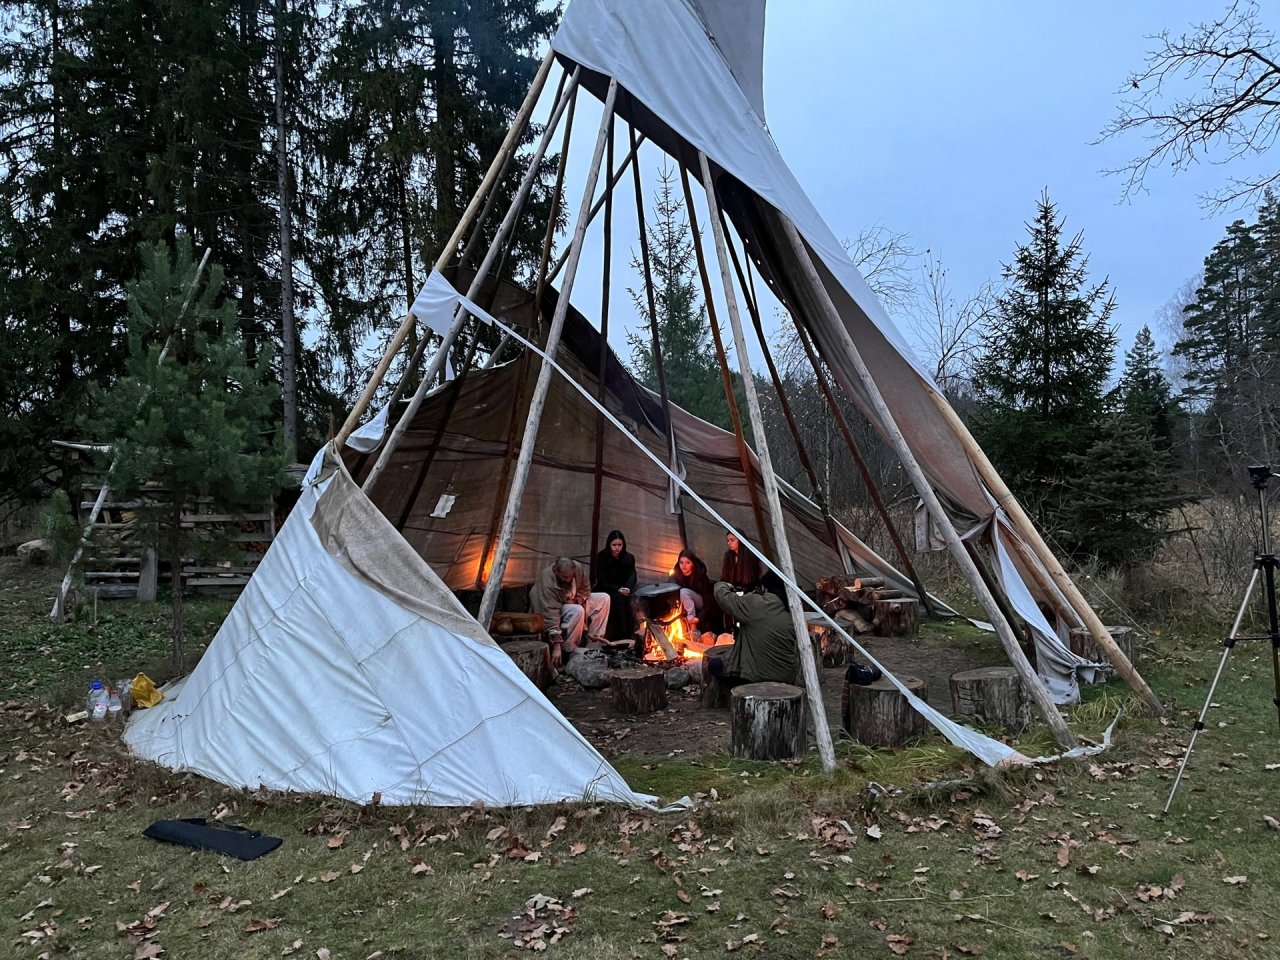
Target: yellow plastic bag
(144, 691)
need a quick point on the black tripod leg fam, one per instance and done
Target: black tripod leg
(1227, 646)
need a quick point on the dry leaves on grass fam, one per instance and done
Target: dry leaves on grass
(899, 943)
(543, 921)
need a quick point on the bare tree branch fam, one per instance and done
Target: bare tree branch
(1211, 94)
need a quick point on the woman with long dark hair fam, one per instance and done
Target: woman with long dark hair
(696, 596)
(616, 576)
(740, 566)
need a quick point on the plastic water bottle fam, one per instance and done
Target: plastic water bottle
(113, 705)
(99, 701)
(125, 689)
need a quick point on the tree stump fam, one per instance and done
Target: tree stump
(638, 690)
(715, 695)
(766, 721)
(896, 617)
(879, 716)
(1083, 644)
(993, 694)
(533, 657)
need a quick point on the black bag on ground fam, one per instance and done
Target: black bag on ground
(860, 676)
(239, 842)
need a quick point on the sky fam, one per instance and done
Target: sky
(946, 121)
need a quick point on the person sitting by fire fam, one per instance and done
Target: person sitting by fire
(616, 576)
(740, 566)
(695, 592)
(765, 649)
(563, 595)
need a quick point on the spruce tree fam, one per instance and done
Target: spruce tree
(1144, 394)
(689, 359)
(1046, 361)
(190, 414)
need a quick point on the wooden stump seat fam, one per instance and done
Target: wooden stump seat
(897, 617)
(993, 694)
(637, 690)
(1083, 644)
(532, 655)
(714, 695)
(766, 721)
(879, 716)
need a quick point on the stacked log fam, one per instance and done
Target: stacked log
(867, 605)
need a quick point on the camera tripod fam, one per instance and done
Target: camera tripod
(1264, 564)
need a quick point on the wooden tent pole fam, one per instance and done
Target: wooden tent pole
(477, 282)
(864, 471)
(753, 309)
(1004, 630)
(598, 482)
(522, 374)
(804, 649)
(509, 145)
(1022, 523)
(744, 457)
(614, 180)
(489, 601)
(651, 302)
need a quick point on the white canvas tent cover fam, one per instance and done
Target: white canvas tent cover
(348, 668)
(690, 77)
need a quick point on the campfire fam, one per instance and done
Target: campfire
(668, 637)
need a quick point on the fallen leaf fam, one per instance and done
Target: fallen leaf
(874, 832)
(330, 876)
(683, 897)
(257, 926)
(204, 922)
(148, 950)
(899, 943)
(322, 953)
(1026, 877)
(581, 892)
(828, 910)
(291, 948)
(1235, 881)
(337, 840)
(577, 848)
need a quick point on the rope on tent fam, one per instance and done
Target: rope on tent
(990, 751)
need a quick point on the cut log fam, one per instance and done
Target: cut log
(638, 690)
(533, 657)
(879, 716)
(1083, 644)
(992, 694)
(766, 721)
(856, 620)
(897, 618)
(714, 694)
(868, 583)
(884, 593)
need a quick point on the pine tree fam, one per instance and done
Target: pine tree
(1144, 394)
(190, 415)
(689, 360)
(1046, 361)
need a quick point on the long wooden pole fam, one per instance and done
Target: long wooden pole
(597, 487)
(477, 282)
(1004, 630)
(753, 309)
(489, 600)
(1022, 523)
(726, 377)
(509, 144)
(651, 301)
(808, 669)
(864, 471)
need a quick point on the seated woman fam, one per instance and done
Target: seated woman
(740, 566)
(696, 598)
(616, 576)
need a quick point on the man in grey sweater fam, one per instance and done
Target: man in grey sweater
(562, 594)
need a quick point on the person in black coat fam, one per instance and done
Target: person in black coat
(616, 576)
(700, 609)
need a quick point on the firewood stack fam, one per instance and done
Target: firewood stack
(867, 605)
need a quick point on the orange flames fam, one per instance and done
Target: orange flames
(688, 644)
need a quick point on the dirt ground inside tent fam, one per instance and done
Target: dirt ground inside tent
(688, 727)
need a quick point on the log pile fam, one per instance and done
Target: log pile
(867, 605)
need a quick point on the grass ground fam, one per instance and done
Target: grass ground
(1068, 860)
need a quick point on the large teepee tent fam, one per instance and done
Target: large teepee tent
(477, 482)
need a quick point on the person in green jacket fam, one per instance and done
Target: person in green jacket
(765, 650)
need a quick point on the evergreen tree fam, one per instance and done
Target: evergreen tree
(1144, 394)
(689, 359)
(1046, 361)
(1124, 488)
(1231, 334)
(190, 414)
